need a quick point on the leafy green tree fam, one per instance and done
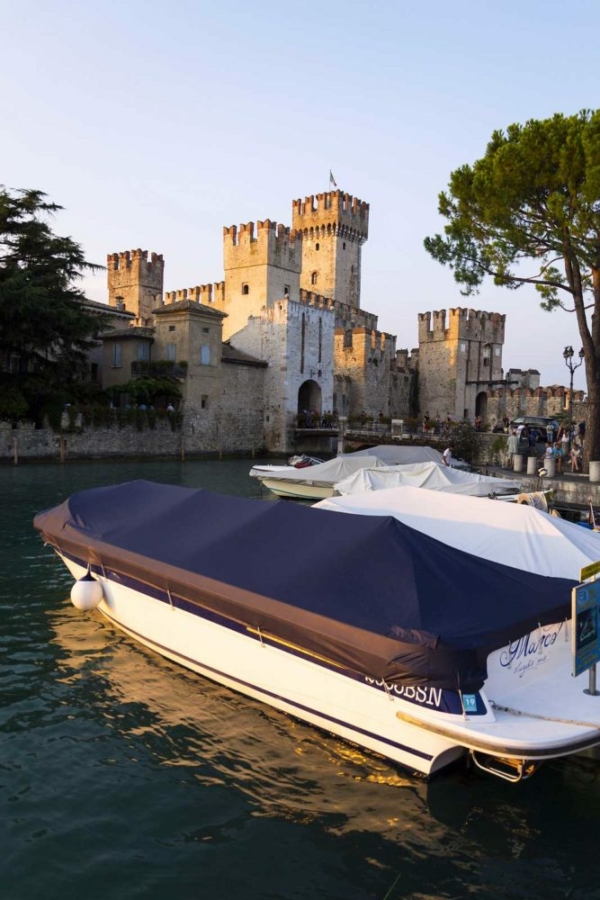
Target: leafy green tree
(528, 212)
(46, 329)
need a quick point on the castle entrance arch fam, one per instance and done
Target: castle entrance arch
(309, 404)
(481, 405)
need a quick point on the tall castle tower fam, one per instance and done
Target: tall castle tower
(260, 268)
(135, 283)
(333, 231)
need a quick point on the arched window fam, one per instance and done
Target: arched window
(313, 278)
(317, 246)
(245, 289)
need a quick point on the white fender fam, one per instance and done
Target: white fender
(86, 593)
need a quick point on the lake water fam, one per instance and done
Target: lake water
(124, 776)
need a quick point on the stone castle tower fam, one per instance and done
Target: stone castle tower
(459, 360)
(333, 231)
(135, 283)
(260, 268)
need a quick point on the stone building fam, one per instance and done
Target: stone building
(288, 310)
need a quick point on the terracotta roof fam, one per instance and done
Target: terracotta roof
(192, 306)
(133, 331)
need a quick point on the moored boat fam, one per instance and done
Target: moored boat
(312, 483)
(431, 476)
(368, 629)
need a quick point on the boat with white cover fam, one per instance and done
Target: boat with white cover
(368, 628)
(430, 475)
(319, 482)
(314, 482)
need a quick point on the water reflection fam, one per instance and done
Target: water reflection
(281, 765)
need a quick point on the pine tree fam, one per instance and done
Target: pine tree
(46, 328)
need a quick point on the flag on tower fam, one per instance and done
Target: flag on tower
(332, 179)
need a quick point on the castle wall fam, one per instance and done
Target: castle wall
(366, 358)
(135, 283)
(541, 401)
(296, 337)
(231, 422)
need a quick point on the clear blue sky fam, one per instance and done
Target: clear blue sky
(154, 124)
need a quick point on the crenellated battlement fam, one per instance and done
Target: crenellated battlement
(460, 323)
(308, 298)
(267, 243)
(337, 211)
(131, 258)
(237, 235)
(206, 294)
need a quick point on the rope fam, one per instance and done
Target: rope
(520, 712)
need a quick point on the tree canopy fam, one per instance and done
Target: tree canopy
(46, 329)
(528, 212)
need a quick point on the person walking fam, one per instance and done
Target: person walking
(447, 455)
(512, 446)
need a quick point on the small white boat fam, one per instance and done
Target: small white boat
(369, 628)
(314, 482)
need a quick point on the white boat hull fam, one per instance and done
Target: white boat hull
(297, 489)
(413, 732)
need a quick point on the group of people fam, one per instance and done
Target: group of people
(315, 419)
(564, 444)
(434, 425)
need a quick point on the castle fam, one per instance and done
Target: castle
(284, 334)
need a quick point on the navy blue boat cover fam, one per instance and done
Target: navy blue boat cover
(367, 592)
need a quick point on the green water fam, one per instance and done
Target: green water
(124, 776)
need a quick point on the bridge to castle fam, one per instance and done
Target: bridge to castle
(325, 439)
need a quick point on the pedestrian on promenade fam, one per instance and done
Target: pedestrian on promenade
(512, 446)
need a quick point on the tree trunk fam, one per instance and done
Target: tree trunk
(591, 447)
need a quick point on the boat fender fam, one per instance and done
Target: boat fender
(86, 593)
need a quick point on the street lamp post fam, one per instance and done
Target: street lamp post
(568, 355)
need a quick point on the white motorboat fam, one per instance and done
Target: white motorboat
(319, 481)
(314, 482)
(369, 629)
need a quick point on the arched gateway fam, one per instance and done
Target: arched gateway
(309, 403)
